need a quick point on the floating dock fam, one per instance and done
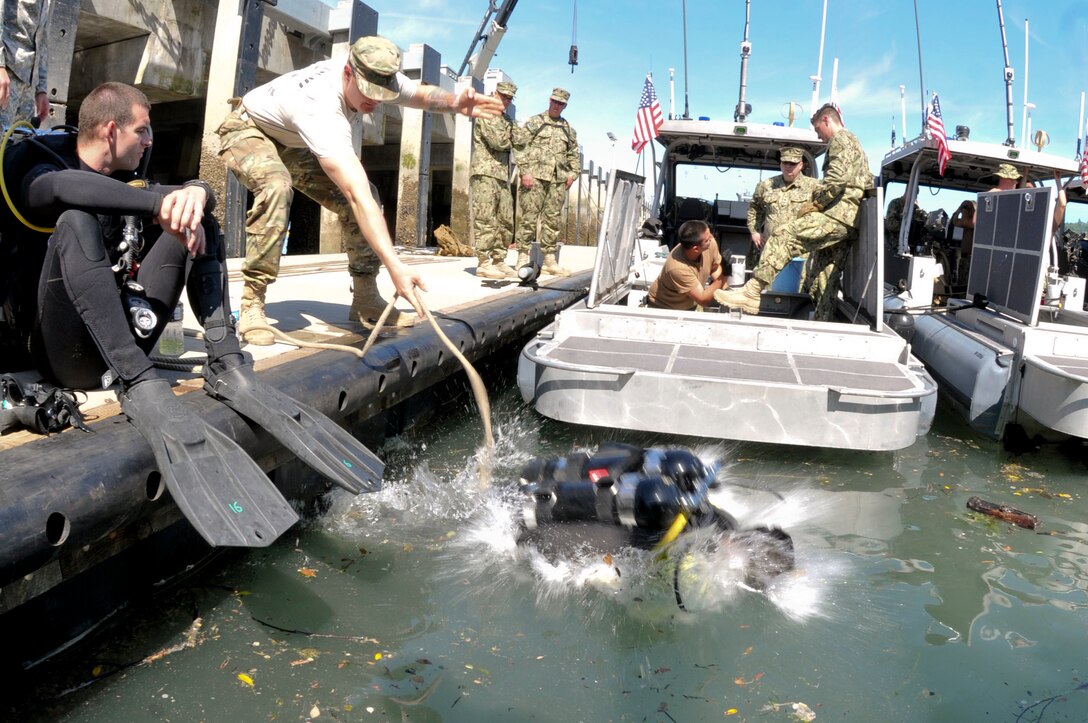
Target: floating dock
(86, 523)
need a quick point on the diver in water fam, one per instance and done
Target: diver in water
(105, 295)
(627, 496)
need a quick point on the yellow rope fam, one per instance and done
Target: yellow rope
(3, 182)
(677, 526)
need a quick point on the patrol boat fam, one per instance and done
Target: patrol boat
(774, 377)
(1012, 352)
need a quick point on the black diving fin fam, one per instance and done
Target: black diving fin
(305, 432)
(218, 487)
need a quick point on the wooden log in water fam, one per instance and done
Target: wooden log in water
(1003, 512)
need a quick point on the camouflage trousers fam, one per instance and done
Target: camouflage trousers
(492, 217)
(20, 104)
(544, 201)
(824, 278)
(826, 240)
(272, 172)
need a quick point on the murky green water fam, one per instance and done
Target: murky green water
(413, 604)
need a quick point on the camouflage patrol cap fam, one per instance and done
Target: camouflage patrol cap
(506, 88)
(375, 62)
(793, 154)
(560, 95)
(1007, 170)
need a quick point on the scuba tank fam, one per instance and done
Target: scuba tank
(23, 239)
(628, 496)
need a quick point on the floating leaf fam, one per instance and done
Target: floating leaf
(315, 712)
(245, 679)
(96, 671)
(731, 711)
(377, 656)
(748, 650)
(307, 572)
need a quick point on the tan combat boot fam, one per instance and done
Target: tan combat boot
(745, 298)
(500, 264)
(551, 266)
(487, 270)
(523, 260)
(251, 318)
(367, 304)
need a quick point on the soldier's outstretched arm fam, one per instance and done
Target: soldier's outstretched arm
(467, 102)
(348, 175)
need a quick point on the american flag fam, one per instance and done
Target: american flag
(648, 120)
(1084, 168)
(935, 126)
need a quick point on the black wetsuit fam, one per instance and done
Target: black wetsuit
(82, 327)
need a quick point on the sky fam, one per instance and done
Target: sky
(620, 41)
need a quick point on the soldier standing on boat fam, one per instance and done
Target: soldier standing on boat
(294, 132)
(893, 221)
(777, 200)
(549, 163)
(492, 201)
(825, 227)
(24, 58)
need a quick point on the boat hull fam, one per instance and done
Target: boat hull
(708, 375)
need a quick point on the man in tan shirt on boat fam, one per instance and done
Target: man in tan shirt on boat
(693, 261)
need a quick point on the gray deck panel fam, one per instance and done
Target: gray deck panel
(738, 364)
(616, 346)
(831, 378)
(600, 358)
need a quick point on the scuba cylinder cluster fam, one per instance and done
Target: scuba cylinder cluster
(628, 496)
(641, 490)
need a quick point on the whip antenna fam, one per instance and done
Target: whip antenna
(1010, 140)
(921, 83)
(684, 13)
(743, 109)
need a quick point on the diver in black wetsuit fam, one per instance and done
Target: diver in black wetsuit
(103, 300)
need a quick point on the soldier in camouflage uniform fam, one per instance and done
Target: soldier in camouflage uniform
(547, 156)
(295, 132)
(777, 200)
(24, 59)
(827, 222)
(893, 222)
(492, 202)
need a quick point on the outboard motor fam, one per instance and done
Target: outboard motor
(628, 496)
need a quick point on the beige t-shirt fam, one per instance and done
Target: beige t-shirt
(306, 108)
(680, 276)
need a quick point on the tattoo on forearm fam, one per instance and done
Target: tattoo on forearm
(439, 101)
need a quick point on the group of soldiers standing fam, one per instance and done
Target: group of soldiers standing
(545, 150)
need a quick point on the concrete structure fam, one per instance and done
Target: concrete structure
(191, 56)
